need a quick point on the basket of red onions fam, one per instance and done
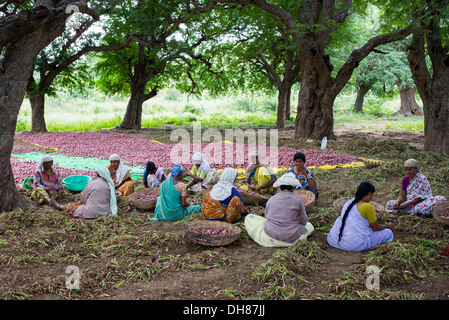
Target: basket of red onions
(212, 233)
(440, 212)
(144, 199)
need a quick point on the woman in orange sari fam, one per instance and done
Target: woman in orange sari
(121, 176)
(224, 202)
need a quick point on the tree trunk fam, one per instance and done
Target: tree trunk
(18, 65)
(283, 95)
(133, 115)
(363, 90)
(37, 102)
(288, 109)
(315, 119)
(432, 88)
(409, 106)
(436, 121)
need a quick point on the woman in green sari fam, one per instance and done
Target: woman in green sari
(172, 203)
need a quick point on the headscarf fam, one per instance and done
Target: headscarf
(121, 170)
(223, 189)
(287, 179)
(198, 156)
(45, 158)
(176, 170)
(413, 164)
(149, 167)
(253, 166)
(106, 175)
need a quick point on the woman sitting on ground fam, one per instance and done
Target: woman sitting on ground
(97, 198)
(224, 202)
(416, 195)
(357, 228)
(152, 176)
(120, 175)
(47, 184)
(202, 170)
(260, 176)
(303, 174)
(285, 219)
(172, 203)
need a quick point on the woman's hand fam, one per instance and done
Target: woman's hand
(391, 226)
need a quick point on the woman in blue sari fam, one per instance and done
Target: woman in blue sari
(172, 203)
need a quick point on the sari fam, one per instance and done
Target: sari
(260, 176)
(46, 182)
(154, 180)
(213, 209)
(169, 206)
(357, 234)
(419, 187)
(128, 187)
(255, 224)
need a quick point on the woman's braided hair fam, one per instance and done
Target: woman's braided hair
(363, 189)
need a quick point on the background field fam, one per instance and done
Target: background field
(97, 111)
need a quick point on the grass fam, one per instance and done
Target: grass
(171, 108)
(119, 252)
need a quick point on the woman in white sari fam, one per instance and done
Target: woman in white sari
(357, 228)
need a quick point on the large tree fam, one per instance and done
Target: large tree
(60, 65)
(26, 27)
(166, 31)
(311, 24)
(430, 38)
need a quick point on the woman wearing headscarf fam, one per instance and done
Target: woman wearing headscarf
(285, 220)
(260, 176)
(202, 170)
(224, 202)
(97, 199)
(303, 174)
(120, 175)
(172, 203)
(357, 228)
(47, 184)
(153, 176)
(416, 194)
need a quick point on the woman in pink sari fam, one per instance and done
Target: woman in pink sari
(416, 196)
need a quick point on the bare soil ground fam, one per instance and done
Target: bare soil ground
(236, 280)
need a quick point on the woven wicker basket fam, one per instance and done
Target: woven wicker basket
(194, 232)
(308, 197)
(441, 207)
(251, 198)
(372, 163)
(339, 203)
(143, 204)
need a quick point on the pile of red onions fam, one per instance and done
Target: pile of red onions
(148, 196)
(214, 231)
(135, 151)
(443, 214)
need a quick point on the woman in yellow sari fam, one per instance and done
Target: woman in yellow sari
(260, 176)
(121, 176)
